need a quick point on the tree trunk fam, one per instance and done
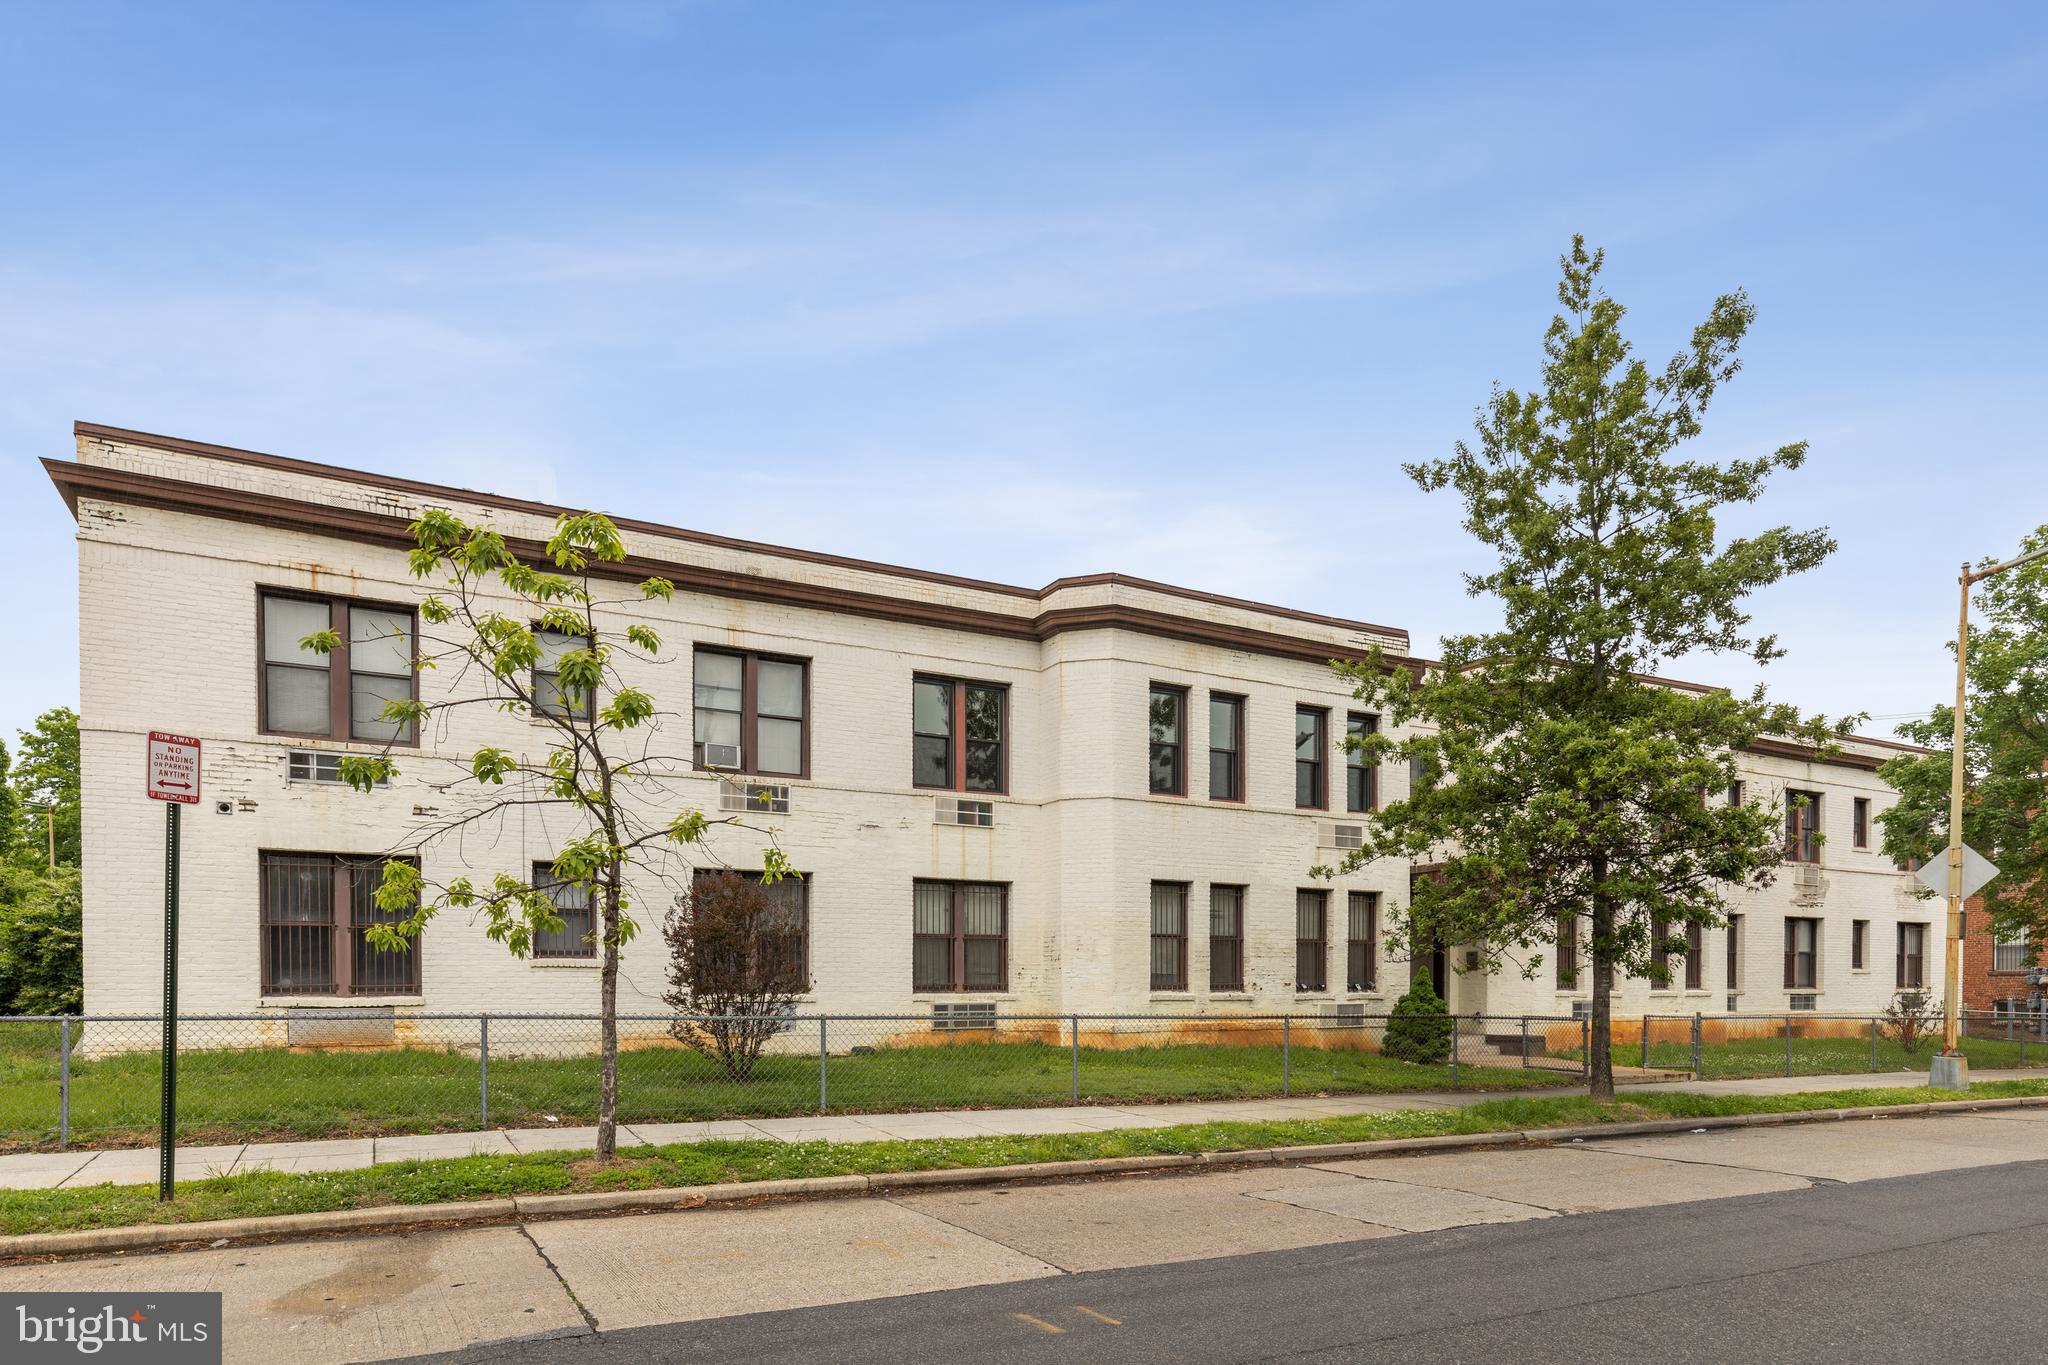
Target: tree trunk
(608, 1029)
(1600, 1052)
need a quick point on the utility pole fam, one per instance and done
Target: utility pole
(1951, 1070)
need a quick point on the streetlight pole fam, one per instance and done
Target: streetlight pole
(1951, 1069)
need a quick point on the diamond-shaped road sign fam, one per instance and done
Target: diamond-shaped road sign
(1977, 870)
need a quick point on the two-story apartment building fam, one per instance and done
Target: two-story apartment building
(1104, 795)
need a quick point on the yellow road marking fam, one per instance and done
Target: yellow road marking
(1099, 1317)
(1041, 1324)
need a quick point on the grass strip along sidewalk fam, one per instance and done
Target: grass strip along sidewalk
(711, 1163)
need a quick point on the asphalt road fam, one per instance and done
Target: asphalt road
(1929, 1268)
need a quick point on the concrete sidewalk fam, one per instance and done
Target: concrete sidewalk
(138, 1165)
(389, 1295)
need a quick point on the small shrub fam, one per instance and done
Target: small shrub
(1419, 1030)
(1912, 1018)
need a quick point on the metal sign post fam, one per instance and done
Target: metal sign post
(172, 776)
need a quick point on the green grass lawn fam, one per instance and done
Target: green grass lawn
(1765, 1055)
(243, 1095)
(706, 1163)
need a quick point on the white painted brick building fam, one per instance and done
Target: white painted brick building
(179, 542)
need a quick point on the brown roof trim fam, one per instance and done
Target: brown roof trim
(1785, 748)
(376, 528)
(257, 458)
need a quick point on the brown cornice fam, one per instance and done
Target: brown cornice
(316, 469)
(74, 481)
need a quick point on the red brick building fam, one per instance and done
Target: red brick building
(1994, 977)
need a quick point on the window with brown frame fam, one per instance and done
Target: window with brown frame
(1859, 822)
(342, 693)
(1166, 735)
(316, 911)
(1311, 752)
(1311, 940)
(549, 698)
(1362, 941)
(1226, 938)
(1226, 747)
(1802, 827)
(1859, 944)
(1735, 792)
(1734, 952)
(1802, 954)
(1567, 952)
(1660, 955)
(578, 934)
(786, 937)
(957, 735)
(758, 702)
(1361, 779)
(1695, 957)
(1912, 963)
(959, 936)
(1169, 936)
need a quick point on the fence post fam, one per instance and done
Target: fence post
(1454, 1052)
(1788, 1045)
(483, 1068)
(1286, 1055)
(823, 1055)
(1873, 1044)
(1697, 1030)
(2008, 1028)
(1646, 1042)
(1074, 1055)
(1525, 1042)
(1586, 1046)
(64, 1081)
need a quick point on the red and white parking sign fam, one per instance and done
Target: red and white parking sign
(173, 767)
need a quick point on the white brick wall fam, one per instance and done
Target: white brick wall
(168, 604)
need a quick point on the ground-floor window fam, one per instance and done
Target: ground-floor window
(1912, 965)
(316, 911)
(1226, 938)
(1311, 940)
(1802, 954)
(1169, 936)
(1361, 944)
(959, 936)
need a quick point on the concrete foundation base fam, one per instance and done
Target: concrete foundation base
(1949, 1073)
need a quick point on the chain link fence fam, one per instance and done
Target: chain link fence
(93, 1081)
(1725, 1047)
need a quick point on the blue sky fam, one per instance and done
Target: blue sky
(1020, 291)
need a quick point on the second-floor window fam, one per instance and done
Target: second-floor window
(1226, 747)
(956, 735)
(1859, 823)
(1361, 780)
(1802, 827)
(549, 699)
(1166, 730)
(340, 694)
(756, 704)
(1310, 748)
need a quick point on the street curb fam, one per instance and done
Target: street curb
(157, 1236)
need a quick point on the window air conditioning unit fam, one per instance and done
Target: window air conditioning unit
(1809, 886)
(754, 798)
(952, 810)
(968, 1015)
(1334, 834)
(724, 757)
(1803, 1002)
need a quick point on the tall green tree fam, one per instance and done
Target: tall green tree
(2005, 753)
(1566, 785)
(553, 646)
(45, 784)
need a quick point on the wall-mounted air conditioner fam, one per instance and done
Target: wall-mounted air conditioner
(1339, 835)
(721, 757)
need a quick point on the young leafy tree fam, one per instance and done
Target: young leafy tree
(1565, 781)
(544, 643)
(45, 784)
(2005, 753)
